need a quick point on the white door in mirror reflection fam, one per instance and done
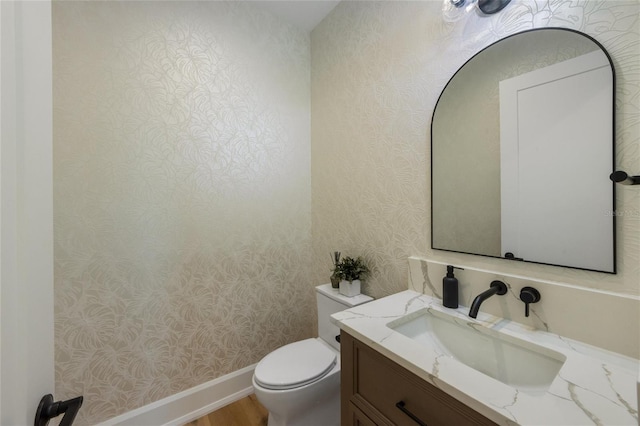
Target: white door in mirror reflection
(563, 109)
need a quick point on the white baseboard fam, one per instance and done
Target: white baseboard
(190, 404)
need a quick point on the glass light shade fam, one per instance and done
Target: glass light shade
(454, 10)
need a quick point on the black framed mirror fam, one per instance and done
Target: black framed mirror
(522, 145)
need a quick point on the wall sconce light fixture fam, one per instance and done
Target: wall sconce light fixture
(489, 7)
(453, 10)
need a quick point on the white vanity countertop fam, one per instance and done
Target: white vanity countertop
(594, 386)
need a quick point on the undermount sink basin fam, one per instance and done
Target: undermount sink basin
(518, 363)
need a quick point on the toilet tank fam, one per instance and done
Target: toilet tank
(330, 301)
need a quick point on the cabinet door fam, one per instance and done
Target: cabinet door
(389, 394)
(358, 418)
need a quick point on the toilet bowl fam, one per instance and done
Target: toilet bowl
(299, 383)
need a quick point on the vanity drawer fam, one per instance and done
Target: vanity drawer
(376, 385)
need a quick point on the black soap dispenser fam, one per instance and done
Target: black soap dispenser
(450, 289)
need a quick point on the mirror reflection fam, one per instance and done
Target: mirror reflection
(522, 149)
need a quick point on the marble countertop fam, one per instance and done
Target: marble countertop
(594, 386)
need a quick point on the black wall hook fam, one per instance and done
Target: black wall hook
(624, 179)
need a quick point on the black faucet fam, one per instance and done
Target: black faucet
(496, 287)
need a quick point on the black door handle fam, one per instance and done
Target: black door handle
(47, 409)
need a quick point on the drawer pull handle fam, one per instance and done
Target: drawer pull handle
(401, 406)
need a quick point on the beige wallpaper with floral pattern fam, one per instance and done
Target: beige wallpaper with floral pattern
(182, 196)
(187, 242)
(377, 71)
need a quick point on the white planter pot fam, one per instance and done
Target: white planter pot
(350, 288)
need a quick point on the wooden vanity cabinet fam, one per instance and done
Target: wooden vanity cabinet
(378, 391)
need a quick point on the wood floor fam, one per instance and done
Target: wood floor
(245, 412)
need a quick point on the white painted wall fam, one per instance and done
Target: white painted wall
(26, 267)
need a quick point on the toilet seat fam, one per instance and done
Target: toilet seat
(294, 365)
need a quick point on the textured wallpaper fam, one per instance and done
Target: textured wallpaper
(181, 196)
(187, 240)
(377, 71)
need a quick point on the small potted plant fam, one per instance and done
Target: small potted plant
(351, 271)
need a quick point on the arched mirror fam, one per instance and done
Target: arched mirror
(522, 148)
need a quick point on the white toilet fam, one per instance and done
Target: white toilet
(299, 383)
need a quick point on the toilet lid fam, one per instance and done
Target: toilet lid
(295, 365)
